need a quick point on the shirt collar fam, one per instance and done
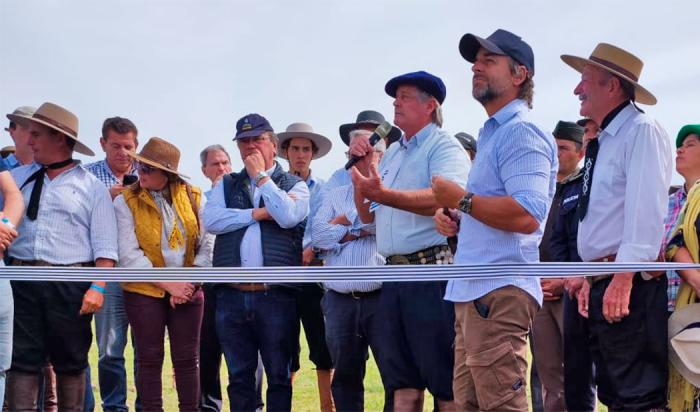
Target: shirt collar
(620, 119)
(105, 164)
(418, 138)
(506, 112)
(11, 161)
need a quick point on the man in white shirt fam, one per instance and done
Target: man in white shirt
(627, 172)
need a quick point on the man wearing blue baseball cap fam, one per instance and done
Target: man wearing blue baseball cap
(419, 323)
(260, 202)
(503, 212)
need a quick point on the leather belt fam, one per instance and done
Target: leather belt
(251, 287)
(597, 278)
(435, 255)
(360, 295)
(18, 262)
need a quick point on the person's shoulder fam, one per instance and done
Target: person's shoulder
(94, 166)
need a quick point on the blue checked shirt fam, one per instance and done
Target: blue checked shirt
(102, 171)
(675, 205)
(515, 158)
(326, 236)
(76, 221)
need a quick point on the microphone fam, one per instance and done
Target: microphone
(380, 132)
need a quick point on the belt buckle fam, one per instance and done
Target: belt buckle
(352, 294)
(400, 260)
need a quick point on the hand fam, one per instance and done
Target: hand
(369, 187)
(92, 302)
(180, 290)
(573, 285)
(582, 297)
(616, 300)
(360, 147)
(447, 193)
(552, 288)
(176, 301)
(446, 225)
(7, 236)
(254, 163)
(307, 256)
(115, 190)
(340, 220)
(261, 213)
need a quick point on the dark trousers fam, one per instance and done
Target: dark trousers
(353, 325)
(48, 326)
(252, 322)
(309, 312)
(631, 356)
(419, 332)
(149, 318)
(579, 384)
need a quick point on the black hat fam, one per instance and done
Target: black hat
(369, 118)
(425, 81)
(468, 141)
(500, 42)
(569, 131)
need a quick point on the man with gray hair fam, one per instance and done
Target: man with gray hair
(216, 163)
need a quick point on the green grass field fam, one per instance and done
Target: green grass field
(305, 392)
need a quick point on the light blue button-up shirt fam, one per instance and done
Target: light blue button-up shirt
(431, 152)
(514, 158)
(315, 185)
(285, 210)
(76, 221)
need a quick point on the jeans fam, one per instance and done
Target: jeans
(252, 322)
(111, 325)
(6, 311)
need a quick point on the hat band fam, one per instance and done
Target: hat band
(52, 122)
(162, 163)
(615, 67)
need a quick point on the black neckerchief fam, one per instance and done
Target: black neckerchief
(33, 208)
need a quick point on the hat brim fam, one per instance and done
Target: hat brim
(470, 44)
(250, 133)
(685, 131)
(323, 143)
(680, 365)
(345, 129)
(155, 164)
(425, 85)
(642, 95)
(18, 118)
(679, 320)
(79, 146)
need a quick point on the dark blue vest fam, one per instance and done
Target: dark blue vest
(281, 247)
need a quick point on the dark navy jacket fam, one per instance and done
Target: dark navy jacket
(562, 244)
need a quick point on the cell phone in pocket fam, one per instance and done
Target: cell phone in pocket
(130, 179)
(481, 308)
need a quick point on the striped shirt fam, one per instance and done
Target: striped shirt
(517, 159)
(675, 203)
(315, 185)
(360, 252)
(76, 221)
(102, 171)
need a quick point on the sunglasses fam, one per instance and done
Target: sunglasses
(144, 168)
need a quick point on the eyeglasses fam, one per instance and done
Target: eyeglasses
(254, 139)
(144, 168)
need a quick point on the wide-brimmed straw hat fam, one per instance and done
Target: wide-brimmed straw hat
(307, 132)
(159, 154)
(684, 342)
(57, 118)
(618, 62)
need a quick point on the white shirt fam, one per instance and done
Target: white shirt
(287, 212)
(131, 254)
(629, 191)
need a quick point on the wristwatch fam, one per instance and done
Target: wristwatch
(465, 205)
(260, 176)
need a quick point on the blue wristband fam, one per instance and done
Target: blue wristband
(98, 288)
(7, 222)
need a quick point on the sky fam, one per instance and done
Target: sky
(186, 71)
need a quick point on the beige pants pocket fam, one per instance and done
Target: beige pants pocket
(497, 376)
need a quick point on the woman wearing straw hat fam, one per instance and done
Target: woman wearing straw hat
(159, 226)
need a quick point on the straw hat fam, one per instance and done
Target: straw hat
(684, 342)
(307, 132)
(57, 118)
(159, 154)
(21, 114)
(618, 62)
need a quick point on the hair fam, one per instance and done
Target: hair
(626, 87)
(285, 145)
(527, 88)
(272, 136)
(119, 125)
(13, 125)
(215, 147)
(436, 116)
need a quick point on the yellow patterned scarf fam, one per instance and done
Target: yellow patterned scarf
(681, 393)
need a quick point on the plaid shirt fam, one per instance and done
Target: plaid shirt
(675, 204)
(102, 171)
